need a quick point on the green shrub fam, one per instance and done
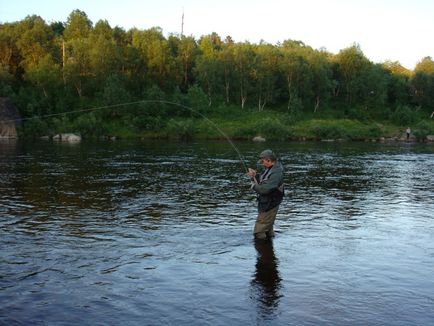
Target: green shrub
(89, 125)
(34, 127)
(373, 131)
(197, 99)
(151, 123)
(357, 113)
(380, 113)
(295, 108)
(182, 129)
(229, 111)
(423, 129)
(403, 116)
(289, 120)
(61, 125)
(329, 131)
(151, 104)
(270, 128)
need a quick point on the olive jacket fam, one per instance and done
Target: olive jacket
(269, 187)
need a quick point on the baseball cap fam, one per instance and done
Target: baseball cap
(268, 154)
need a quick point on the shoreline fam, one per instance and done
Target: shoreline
(73, 138)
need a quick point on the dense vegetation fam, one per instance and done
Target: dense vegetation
(56, 72)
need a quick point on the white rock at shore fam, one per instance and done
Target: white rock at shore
(259, 139)
(67, 137)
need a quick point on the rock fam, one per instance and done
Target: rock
(71, 137)
(259, 139)
(67, 137)
(9, 118)
(430, 138)
(328, 140)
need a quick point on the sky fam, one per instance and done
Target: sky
(395, 30)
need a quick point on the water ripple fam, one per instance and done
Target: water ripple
(119, 233)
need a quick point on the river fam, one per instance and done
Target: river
(160, 233)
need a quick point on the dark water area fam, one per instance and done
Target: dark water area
(160, 233)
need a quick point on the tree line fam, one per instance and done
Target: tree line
(49, 69)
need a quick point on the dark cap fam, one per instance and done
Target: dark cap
(268, 154)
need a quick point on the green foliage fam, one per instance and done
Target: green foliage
(373, 131)
(425, 65)
(268, 127)
(423, 129)
(151, 105)
(6, 80)
(403, 116)
(181, 99)
(229, 111)
(45, 76)
(34, 40)
(329, 131)
(182, 129)
(422, 84)
(150, 123)
(77, 26)
(89, 125)
(271, 127)
(295, 107)
(34, 127)
(115, 91)
(379, 113)
(63, 66)
(344, 129)
(61, 124)
(197, 99)
(357, 113)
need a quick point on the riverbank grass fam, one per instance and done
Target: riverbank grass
(232, 123)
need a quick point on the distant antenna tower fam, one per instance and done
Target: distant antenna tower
(182, 22)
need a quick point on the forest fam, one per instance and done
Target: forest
(96, 80)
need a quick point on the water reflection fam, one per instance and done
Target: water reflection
(165, 228)
(265, 285)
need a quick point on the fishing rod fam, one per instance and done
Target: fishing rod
(240, 156)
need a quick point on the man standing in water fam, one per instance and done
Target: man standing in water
(269, 189)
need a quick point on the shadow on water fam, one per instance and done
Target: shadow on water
(266, 283)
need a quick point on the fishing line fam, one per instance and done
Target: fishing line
(240, 156)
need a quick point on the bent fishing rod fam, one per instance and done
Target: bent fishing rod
(212, 123)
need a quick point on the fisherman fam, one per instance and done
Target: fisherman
(270, 190)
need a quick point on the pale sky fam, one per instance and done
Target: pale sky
(396, 30)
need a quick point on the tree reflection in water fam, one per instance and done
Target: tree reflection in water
(265, 284)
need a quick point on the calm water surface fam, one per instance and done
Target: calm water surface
(155, 233)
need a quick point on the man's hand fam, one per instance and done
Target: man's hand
(251, 173)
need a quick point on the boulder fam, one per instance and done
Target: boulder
(259, 139)
(9, 118)
(67, 137)
(71, 137)
(430, 138)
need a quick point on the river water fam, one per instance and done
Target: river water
(160, 233)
